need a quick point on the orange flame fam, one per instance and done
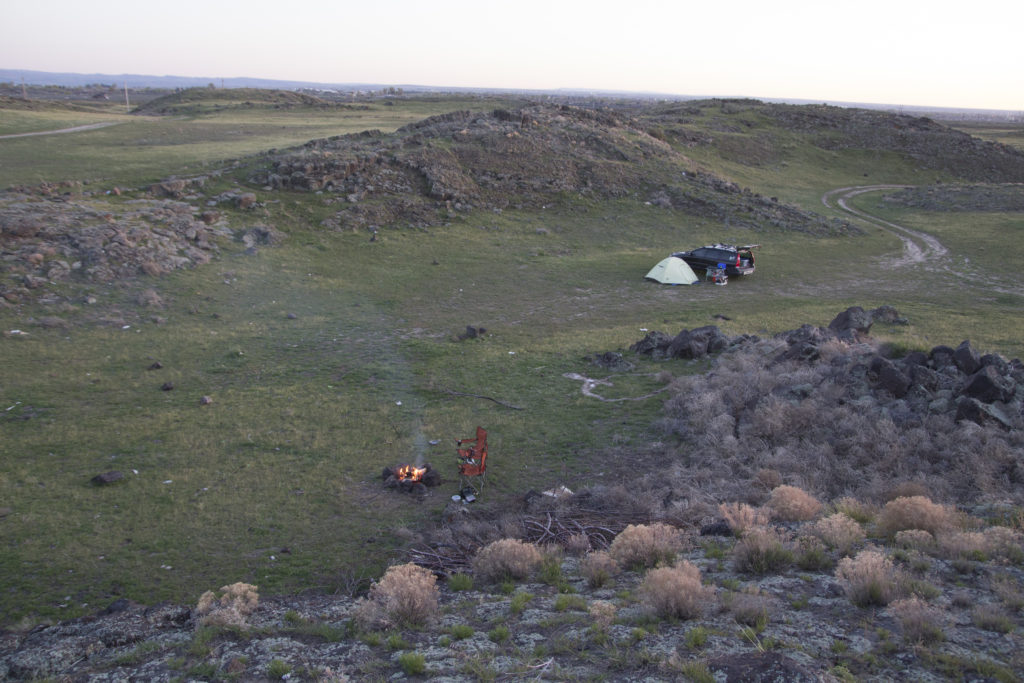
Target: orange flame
(410, 473)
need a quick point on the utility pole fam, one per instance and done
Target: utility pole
(127, 106)
(24, 93)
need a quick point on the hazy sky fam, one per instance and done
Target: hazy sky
(959, 54)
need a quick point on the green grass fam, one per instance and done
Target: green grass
(276, 482)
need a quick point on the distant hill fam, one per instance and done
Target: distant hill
(528, 157)
(196, 99)
(140, 81)
(73, 80)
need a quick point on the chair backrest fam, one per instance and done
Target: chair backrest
(478, 452)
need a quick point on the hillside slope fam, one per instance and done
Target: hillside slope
(428, 172)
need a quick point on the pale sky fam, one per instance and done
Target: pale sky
(938, 53)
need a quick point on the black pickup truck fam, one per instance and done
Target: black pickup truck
(736, 260)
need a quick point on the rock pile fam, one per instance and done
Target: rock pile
(427, 172)
(980, 388)
(91, 240)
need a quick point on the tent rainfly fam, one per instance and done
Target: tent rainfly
(672, 271)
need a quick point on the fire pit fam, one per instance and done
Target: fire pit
(410, 478)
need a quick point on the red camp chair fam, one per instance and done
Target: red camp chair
(473, 460)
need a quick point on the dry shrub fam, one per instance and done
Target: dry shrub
(1009, 590)
(792, 504)
(645, 545)
(919, 621)
(970, 545)
(1005, 542)
(598, 567)
(914, 512)
(231, 608)
(856, 510)
(915, 539)
(768, 478)
(908, 489)
(750, 607)
(838, 531)
(602, 612)
(991, 618)
(870, 578)
(741, 517)
(578, 544)
(675, 592)
(761, 550)
(506, 559)
(407, 594)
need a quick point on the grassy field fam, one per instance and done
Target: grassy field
(331, 356)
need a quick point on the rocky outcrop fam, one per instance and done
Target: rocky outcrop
(986, 389)
(427, 172)
(91, 240)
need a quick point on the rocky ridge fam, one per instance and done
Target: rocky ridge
(429, 172)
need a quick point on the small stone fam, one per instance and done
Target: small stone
(205, 401)
(167, 386)
(107, 478)
(156, 365)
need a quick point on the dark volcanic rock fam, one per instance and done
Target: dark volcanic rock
(107, 478)
(888, 315)
(988, 386)
(972, 409)
(889, 377)
(654, 344)
(966, 358)
(853, 319)
(698, 342)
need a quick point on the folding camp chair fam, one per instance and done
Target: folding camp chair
(473, 461)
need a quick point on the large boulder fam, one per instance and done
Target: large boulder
(988, 386)
(941, 356)
(966, 358)
(972, 409)
(654, 344)
(698, 342)
(853, 320)
(888, 377)
(888, 315)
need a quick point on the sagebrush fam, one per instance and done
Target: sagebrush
(506, 559)
(915, 512)
(869, 578)
(231, 608)
(675, 591)
(407, 594)
(792, 504)
(645, 545)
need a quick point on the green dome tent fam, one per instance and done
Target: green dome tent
(672, 271)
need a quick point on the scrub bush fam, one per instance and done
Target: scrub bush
(231, 608)
(675, 592)
(642, 545)
(792, 504)
(868, 579)
(407, 594)
(506, 559)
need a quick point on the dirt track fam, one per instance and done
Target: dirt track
(918, 247)
(74, 129)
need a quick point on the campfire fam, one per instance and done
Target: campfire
(410, 478)
(409, 473)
